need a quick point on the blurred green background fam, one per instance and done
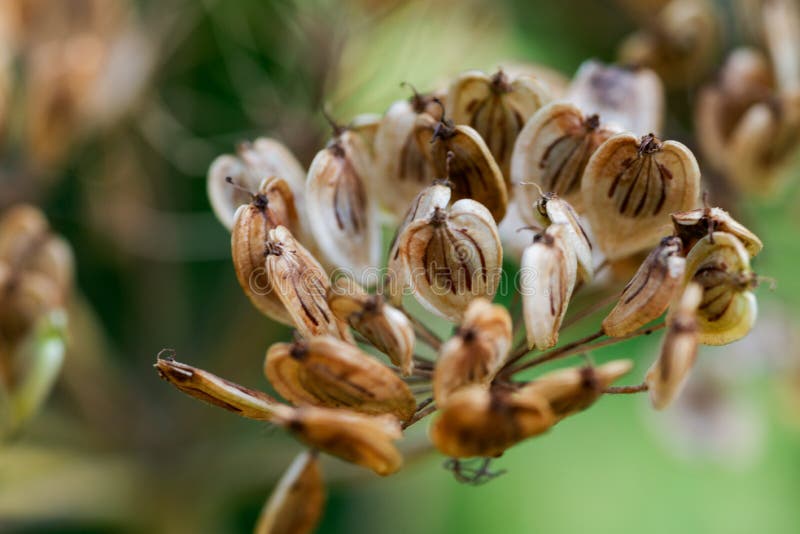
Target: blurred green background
(117, 450)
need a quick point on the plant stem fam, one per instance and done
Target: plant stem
(423, 332)
(625, 390)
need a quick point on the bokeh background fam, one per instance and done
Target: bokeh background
(117, 450)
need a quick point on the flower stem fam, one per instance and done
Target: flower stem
(625, 390)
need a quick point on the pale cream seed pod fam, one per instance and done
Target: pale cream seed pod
(452, 258)
(693, 225)
(477, 351)
(497, 107)
(650, 291)
(721, 265)
(383, 325)
(301, 284)
(342, 215)
(552, 151)
(631, 186)
(625, 99)
(781, 21)
(254, 162)
(547, 279)
(325, 371)
(296, 504)
(668, 374)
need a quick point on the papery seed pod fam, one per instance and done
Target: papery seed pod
(497, 107)
(669, 372)
(650, 290)
(547, 279)
(554, 81)
(693, 225)
(480, 422)
(386, 327)
(254, 162)
(296, 504)
(476, 352)
(721, 265)
(365, 440)
(625, 99)
(25, 296)
(552, 151)
(271, 207)
(325, 371)
(781, 20)
(422, 208)
(452, 258)
(301, 285)
(549, 209)
(471, 169)
(631, 186)
(401, 156)
(679, 43)
(343, 218)
(223, 393)
(572, 390)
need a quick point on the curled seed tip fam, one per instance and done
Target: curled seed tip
(337, 128)
(166, 354)
(500, 81)
(468, 472)
(649, 144)
(773, 283)
(593, 122)
(537, 186)
(439, 216)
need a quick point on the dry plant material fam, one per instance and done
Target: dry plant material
(296, 504)
(631, 186)
(693, 225)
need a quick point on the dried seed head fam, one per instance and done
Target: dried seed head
(26, 297)
(721, 265)
(365, 440)
(625, 99)
(301, 285)
(669, 372)
(693, 225)
(342, 217)
(402, 158)
(650, 291)
(325, 371)
(631, 186)
(552, 151)
(476, 353)
(271, 207)
(480, 422)
(781, 21)
(386, 327)
(547, 279)
(220, 392)
(296, 504)
(471, 169)
(452, 258)
(263, 158)
(366, 126)
(679, 43)
(497, 107)
(569, 391)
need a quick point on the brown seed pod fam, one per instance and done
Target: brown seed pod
(631, 186)
(693, 225)
(452, 258)
(781, 21)
(386, 327)
(679, 43)
(480, 422)
(568, 391)
(301, 284)
(254, 162)
(365, 440)
(650, 291)
(547, 279)
(669, 372)
(214, 390)
(343, 218)
(296, 504)
(497, 107)
(476, 352)
(402, 158)
(552, 151)
(625, 99)
(25, 296)
(271, 207)
(325, 371)
(471, 169)
(721, 265)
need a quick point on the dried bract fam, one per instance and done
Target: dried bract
(476, 353)
(295, 505)
(631, 186)
(325, 371)
(650, 291)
